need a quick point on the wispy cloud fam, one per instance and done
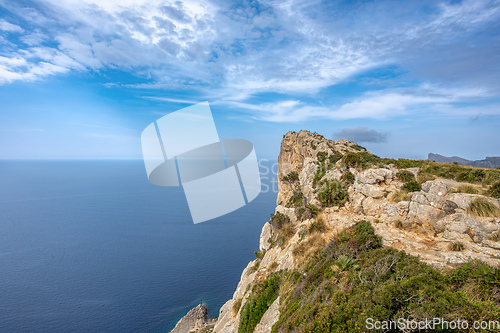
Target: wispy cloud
(233, 52)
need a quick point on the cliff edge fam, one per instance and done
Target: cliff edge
(422, 208)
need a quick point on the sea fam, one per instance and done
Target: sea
(92, 246)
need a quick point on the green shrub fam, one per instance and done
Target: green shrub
(405, 176)
(333, 193)
(263, 295)
(296, 200)
(348, 177)
(334, 158)
(494, 190)
(322, 156)
(345, 263)
(358, 147)
(347, 282)
(320, 173)
(351, 160)
(260, 254)
(412, 186)
(278, 220)
(313, 209)
(292, 177)
(483, 208)
(403, 163)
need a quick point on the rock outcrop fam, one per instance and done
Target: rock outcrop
(194, 321)
(423, 224)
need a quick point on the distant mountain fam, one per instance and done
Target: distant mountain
(488, 162)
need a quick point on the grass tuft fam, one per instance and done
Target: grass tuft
(456, 246)
(481, 207)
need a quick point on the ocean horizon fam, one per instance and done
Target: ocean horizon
(92, 246)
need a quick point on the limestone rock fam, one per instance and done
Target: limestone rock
(269, 318)
(438, 188)
(195, 319)
(265, 235)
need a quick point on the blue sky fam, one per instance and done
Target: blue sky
(83, 78)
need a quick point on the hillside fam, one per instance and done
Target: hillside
(489, 162)
(355, 236)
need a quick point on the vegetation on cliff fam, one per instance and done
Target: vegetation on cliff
(353, 278)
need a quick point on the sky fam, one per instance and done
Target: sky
(83, 78)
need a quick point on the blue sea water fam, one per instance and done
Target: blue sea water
(92, 246)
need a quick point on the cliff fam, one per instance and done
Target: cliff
(327, 187)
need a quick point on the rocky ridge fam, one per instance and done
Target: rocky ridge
(424, 224)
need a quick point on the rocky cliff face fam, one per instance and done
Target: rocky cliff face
(317, 184)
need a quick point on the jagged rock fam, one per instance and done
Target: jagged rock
(265, 236)
(269, 318)
(195, 319)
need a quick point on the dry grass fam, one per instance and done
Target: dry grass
(273, 266)
(482, 207)
(236, 306)
(424, 177)
(466, 189)
(456, 246)
(309, 246)
(400, 195)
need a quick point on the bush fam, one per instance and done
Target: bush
(412, 186)
(292, 177)
(403, 163)
(351, 160)
(358, 147)
(345, 283)
(296, 200)
(322, 156)
(313, 209)
(405, 176)
(483, 208)
(494, 190)
(279, 219)
(263, 295)
(332, 193)
(348, 177)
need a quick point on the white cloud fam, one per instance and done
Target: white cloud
(9, 27)
(295, 48)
